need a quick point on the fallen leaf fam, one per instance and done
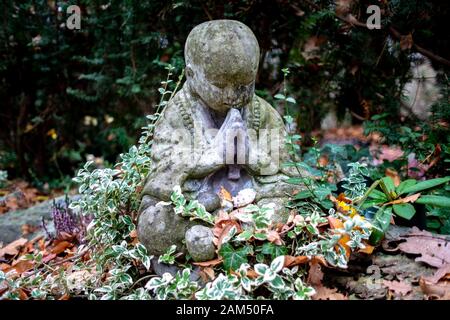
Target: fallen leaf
(368, 249)
(49, 258)
(133, 234)
(315, 274)
(225, 231)
(64, 297)
(13, 248)
(434, 249)
(4, 266)
(290, 261)
(440, 273)
(210, 263)
(60, 247)
(22, 294)
(207, 274)
(411, 198)
(324, 293)
(401, 288)
(225, 194)
(440, 290)
(20, 266)
(315, 277)
(274, 237)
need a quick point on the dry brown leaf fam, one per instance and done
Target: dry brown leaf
(440, 290)
(48, 258)
(401, 288)
(320, 259)
(207, 274)
(210, 263)
(441, 273)
(324, 293)
(315, 274)
(290, 261)
(64, 297)
(252, 274)
(13, 248)
(411, 198)
(60, 247)
(20, 266)
(225, 231)
(4, 266)
(434, 249)
(22, 294)
(274, 237)
(406, 42)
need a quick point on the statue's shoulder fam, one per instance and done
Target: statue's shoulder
(177, 112)
(264, 115)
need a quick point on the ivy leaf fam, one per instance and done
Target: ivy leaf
(233, 258)
(273, 250)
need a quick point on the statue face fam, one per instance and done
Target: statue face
(220, 93)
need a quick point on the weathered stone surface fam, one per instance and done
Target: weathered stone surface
(215, 132)
(199, 242)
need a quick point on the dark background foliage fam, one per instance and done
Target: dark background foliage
(69, 93)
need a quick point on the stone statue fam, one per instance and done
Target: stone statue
(214, 133)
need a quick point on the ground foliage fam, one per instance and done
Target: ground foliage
(255, 258)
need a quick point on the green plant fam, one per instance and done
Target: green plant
(391, 199)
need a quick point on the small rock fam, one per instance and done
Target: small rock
(199, 242)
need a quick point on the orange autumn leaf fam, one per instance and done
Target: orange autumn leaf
(338, 224)
(20, 266)
(290, 261)
(60, 247)
(335, 223)
(13, 248)
(368, 249)
(224, 194)
(341, 197)
(411, 198)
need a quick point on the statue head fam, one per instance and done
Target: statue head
(222, 58)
